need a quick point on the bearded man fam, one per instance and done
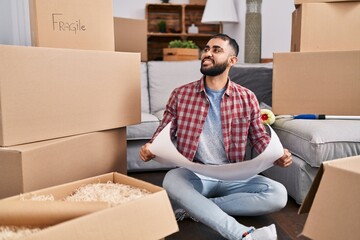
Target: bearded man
(213, 119)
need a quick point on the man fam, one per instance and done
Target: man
(212, 119)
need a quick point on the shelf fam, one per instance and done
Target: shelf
(178, 17)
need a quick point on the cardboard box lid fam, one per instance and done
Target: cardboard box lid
(150, 217)
(333, 201)
(316, 83)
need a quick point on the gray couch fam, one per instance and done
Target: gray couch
(310, 141)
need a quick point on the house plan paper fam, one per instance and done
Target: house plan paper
(166, 152)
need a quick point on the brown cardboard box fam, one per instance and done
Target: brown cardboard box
(37, 165)
(326, 27)
(131, 36)
(316, 83)
(150, 217)
(334, 201)
(51, 92)
(80, 24)
(180, 54)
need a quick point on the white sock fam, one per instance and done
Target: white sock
(264, 233)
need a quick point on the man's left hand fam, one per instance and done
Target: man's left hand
(285, 160)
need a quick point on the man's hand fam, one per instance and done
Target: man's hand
(285, 160)
(145, 153)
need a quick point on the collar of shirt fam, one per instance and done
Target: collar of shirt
(229, 89)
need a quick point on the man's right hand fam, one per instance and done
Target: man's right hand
(145, 153)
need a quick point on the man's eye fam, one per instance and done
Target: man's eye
(205, 50)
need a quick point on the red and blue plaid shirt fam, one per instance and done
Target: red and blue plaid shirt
(188, 106)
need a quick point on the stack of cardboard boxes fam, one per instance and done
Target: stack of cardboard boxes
(325, 55)
(64, 107)
(66, 101)
(322, 76)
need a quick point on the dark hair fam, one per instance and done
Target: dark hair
(234, 45)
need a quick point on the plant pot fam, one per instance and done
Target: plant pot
(180, 54)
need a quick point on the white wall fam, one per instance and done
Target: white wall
(276, 22)
(14, 22)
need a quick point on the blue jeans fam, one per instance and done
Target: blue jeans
(213, 202)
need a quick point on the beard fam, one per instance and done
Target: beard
(215, 70)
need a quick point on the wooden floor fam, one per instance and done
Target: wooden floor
(288, 223)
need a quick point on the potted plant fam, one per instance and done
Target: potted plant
(181, 50)
(162, 26)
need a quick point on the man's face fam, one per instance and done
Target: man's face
(215, 57)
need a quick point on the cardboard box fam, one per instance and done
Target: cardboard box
(316, 83)
(180, 54)
(150, 217)
(48, 93)
(334, 201)
(326, 27)
(37, 165)
(131, 36)
(80, 24)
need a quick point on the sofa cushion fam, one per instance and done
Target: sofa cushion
(257, 79)
(145, 129)
(145, 103)
(316, 141)
(164, 77)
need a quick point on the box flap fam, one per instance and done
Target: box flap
(308, 201)
(42, 213)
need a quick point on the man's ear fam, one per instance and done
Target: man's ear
(233, 60)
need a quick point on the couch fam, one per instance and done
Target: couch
(310, 141)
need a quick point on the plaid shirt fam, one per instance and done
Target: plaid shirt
(188, 106)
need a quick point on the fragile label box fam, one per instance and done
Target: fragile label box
(33, 166)
(333, 201)
(80, 24)
(180, 54)
(326, 27)
(131, 36)
(316, 83)
(48, 93)
(147, 218)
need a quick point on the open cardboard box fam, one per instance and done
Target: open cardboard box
(333, 201)
(150, 217)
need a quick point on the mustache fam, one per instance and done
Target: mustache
(208, 58)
